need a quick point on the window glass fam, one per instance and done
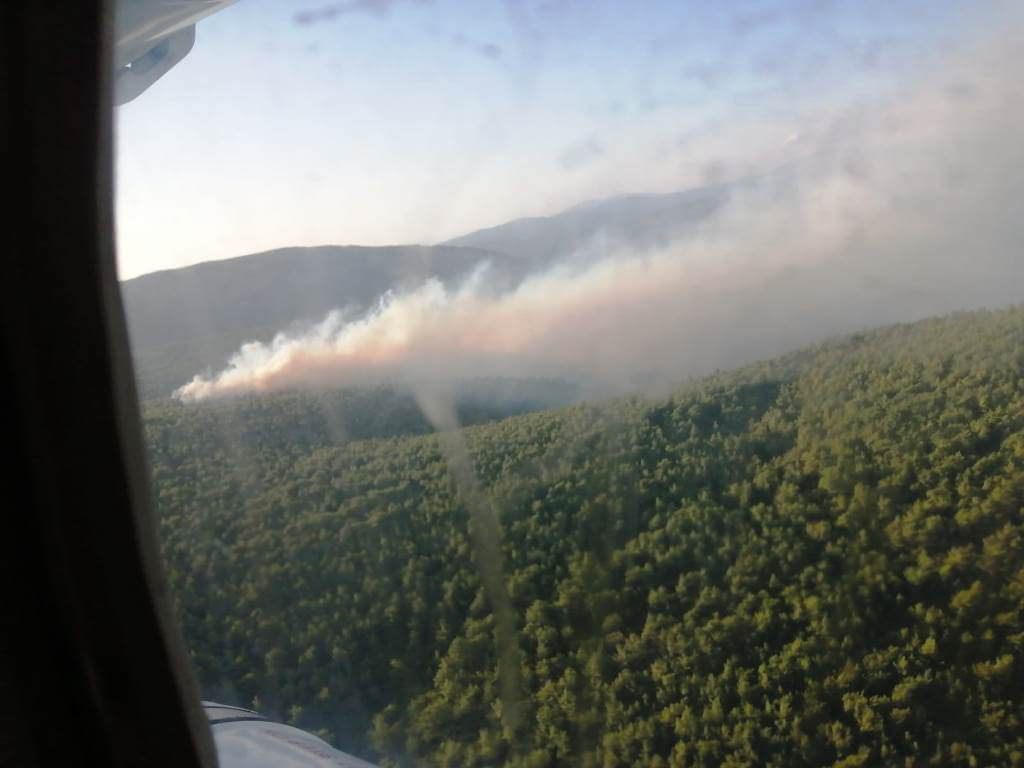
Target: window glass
(546, 382)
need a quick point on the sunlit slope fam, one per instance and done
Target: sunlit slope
(817, 560)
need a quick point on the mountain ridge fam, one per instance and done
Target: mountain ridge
(641, 220)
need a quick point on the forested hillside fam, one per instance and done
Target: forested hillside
(817, 560)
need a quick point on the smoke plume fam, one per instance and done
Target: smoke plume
(898, 209)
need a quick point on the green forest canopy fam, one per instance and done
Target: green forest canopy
(817, 560)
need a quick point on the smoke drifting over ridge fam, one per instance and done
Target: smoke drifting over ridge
(899, 210)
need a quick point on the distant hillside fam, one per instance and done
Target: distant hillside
(183, 321)
(298, 422)
(640, 221)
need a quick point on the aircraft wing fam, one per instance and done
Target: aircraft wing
(245, 739)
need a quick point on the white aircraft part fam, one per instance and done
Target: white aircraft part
(245, 739)
(150, 37)
(263, 744)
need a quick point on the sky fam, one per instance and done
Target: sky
(399, 121)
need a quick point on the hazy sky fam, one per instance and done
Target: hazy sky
(390, 121)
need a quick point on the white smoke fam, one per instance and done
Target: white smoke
(899, 210)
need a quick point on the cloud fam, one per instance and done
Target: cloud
(902, 209)
(581, 153)
(487, 50)
(379, 8)
(743, 23)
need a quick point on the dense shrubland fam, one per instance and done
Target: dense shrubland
(817, 560)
